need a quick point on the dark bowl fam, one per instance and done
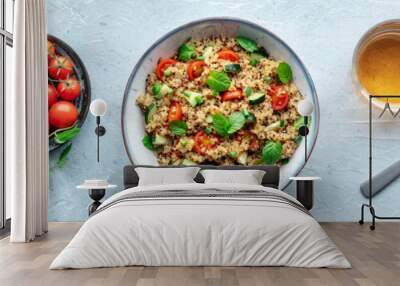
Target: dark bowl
(82, 103)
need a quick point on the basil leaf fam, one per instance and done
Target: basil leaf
(66, 135)
(63, 156)
(221, 124)
(178, 127)
(284, 72)
(148, 142)
(232, 68)
(218, 81)
(247, 44)
(272, 152)
(186, 52)
(236, 122)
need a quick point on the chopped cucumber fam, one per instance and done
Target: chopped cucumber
(160, 140)
(256, 98)
(194, 98)
(151, 109)
(167, 72)
(159, 90)
(242, 159)
(208, 130)
(156, 89)
(232, 68)
(183, 142)
(209, 119)
(248, 91)
(187, 162)
(232, 154)
(255, 58)
(276, 125)
(207, 54)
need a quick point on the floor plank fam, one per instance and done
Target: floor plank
(375, 257)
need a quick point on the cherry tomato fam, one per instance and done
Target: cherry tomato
(63, 114)
(51, 95)
(203, 142)
(232, 95)
(175, 112)
(51, 50)
(228, 55)
(69, 89)
(60, 67)
(163, 64)
(279, 97)
(195, 69)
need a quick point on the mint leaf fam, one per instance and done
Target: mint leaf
(218, 81)
(63, 156)
(186, 52)
(178, 127)
(236, 122)
(221, 124)
(148, 142)
(272, 152)
(225, 126)
(66, 135)
(247, 44)
(284, 72)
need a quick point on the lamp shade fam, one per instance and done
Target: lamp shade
(98, 107)
(305, 107)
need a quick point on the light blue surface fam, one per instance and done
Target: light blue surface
(110, 36)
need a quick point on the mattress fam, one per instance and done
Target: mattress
(201, 225)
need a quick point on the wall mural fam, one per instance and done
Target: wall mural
(68, 96)
(111, 37)
(243, 110)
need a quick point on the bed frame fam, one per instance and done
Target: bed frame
(271, 177)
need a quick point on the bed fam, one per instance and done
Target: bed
(201, 224)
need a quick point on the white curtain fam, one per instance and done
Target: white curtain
(27, 126)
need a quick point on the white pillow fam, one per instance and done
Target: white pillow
(166, 176)
(248, 177)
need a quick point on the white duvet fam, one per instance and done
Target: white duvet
(200, 231)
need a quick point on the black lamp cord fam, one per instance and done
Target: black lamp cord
(98, 137)
(305, 137)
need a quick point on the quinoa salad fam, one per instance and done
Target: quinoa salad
(221, 101)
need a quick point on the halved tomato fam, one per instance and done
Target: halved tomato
(228, 55)
(163, 64)
(203, 142)
(279, 97)
(195, 69)
(175, 112)
(232, 95)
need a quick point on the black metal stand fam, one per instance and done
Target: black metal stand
(369, 205)
(96, 195)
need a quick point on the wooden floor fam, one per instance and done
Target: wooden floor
(375, 257)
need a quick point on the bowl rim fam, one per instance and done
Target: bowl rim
(219, 19)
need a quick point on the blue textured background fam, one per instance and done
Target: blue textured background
(110, 36)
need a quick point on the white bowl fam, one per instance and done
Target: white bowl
(132, 119)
